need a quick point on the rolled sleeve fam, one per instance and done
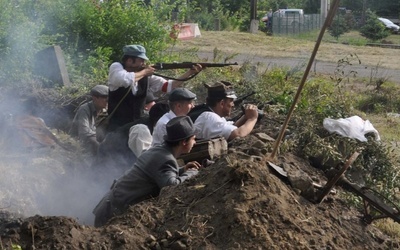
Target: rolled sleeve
(118, 77)
(156, 83)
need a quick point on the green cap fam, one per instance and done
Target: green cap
(135, 50)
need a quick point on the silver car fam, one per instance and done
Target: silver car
(389, 25)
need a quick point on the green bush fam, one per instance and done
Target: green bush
(373, 29)
(86, 26)
(18, 41)
(90, 33)
(338, 27)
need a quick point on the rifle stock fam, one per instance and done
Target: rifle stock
(188, 65)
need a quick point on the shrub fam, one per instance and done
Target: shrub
(18, 41)
(90, 33)
(338, 27)
(373, 29)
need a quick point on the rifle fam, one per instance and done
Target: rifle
(240, 99)
(186, 65)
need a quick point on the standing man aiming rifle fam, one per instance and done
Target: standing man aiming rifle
(129, 82)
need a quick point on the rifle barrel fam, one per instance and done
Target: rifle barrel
(188, 65)
(244, 97)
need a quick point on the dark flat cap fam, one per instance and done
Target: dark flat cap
(220, 90)
(135, 50)
(181, 94)
(99, 90)
(179, 128)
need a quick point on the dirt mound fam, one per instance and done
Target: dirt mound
(236, 203)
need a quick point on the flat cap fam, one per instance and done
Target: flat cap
(99, 90)
(220, 90)
(181, 94)
(135, 50)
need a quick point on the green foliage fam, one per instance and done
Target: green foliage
(214, 15)
(16, 247)
(94, 69)
(373, 28)
(89, 32)
(86, 26)
(376, 162)
(383, 101)
(18, 40)
(382, 7)
(338, 26)
(164, 10)
(357, 42)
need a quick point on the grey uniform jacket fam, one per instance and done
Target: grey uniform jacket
(154, 169)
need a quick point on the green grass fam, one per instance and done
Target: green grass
(351, 38)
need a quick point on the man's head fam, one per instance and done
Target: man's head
(220, 97)
(180, 132)
(134, 56)
(181, 101)
(99, 95)
(156, 112)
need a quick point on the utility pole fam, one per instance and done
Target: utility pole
(325, 5)
(253, 16)
(364, 8)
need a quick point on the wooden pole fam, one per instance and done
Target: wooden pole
(328, 21)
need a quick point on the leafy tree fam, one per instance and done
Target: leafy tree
(338, 26)
(353, 5)
(373, 28)
(312, 6)
(385, 7)
(91, 33)
(18, 39)
(87, 25)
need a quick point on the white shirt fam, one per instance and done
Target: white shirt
(139, 139)
(161, 128)
(119, 77)
(210, 125)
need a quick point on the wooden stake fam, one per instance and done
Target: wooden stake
(328, 21)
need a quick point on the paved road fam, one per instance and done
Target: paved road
(320, 67)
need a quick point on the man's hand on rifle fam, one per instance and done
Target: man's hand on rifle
(195, 69)
(142, 72)
(192, 72)
(148, 70)
(250, 111)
